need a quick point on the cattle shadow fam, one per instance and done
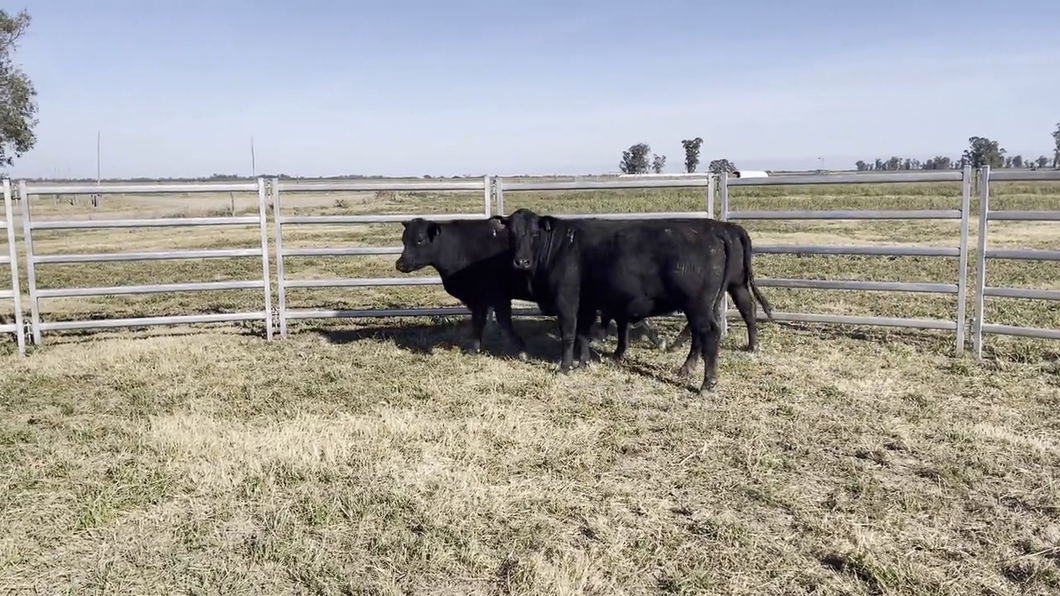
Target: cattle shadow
(541, 337)
(665, 376)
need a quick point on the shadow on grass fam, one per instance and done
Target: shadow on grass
(541, 337)
(931, 339)
(84, 336)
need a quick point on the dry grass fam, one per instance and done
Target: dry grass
(373, 457)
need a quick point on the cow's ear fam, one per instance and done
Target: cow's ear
(498, 223)
(405, 224)
(433, 230)
(548, 222)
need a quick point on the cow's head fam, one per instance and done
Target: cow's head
(524, 229)
(418, 249)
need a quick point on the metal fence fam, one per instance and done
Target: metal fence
(979, 325)
(26, 192)
(960, 251)
(283, 284)
(11, 259)
(491, 187)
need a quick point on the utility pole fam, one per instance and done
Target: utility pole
(96, 198)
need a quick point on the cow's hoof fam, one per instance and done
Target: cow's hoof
(684, 371)
(522, 356)
(470, 351)
(705, 393)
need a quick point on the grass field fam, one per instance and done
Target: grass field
(374, 457)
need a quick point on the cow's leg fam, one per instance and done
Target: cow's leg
(601, 333)
(583, 330)
(705, 321)
(682, 337)
(693, 352)
(567, 319)
(741, 295)
(478, 324)
(711, 343)
(622, 330)
(504, 320)
(652, 336)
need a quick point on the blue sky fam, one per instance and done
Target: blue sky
(413, 87)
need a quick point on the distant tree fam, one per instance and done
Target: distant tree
(1056, 146)
(983, 152)
(878, 164)
(718, 166)
(1043, 162)
(862, 166)
(658, 162)
(18, 106)
(939, 162)
(692, 147)
(1017, 161)
(635, 159)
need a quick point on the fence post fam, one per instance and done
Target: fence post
(12, 251)
(498, 186)
(710, 195)
(980, 261)
(724, 216)
(31, 268)
(962, 276)
(487, 196)
(264, 228)
(281, 289)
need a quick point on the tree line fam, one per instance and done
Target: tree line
(981, 151)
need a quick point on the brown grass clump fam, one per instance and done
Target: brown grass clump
(374, 457)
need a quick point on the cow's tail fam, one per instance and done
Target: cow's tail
(749, 276)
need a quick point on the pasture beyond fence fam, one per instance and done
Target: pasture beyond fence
(493, 191)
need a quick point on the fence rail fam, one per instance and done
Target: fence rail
(283, 284)
(27, 191)
(11, 259)
(984, 252)
(961, 251)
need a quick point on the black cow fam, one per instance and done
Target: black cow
(739, 281)
(474, 260)
(629, 272)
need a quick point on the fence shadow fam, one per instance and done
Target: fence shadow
(927, 338)
(541, 337)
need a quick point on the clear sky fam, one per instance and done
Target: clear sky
(413, 87)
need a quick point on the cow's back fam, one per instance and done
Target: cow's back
(650, 268)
